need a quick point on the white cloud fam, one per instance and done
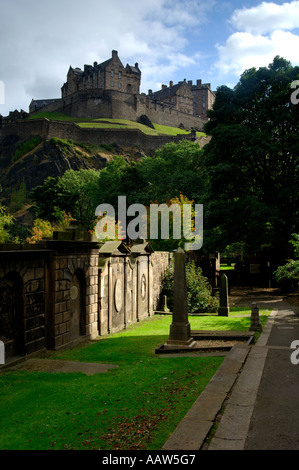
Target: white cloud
(245, 50)
(40, 41)
(267, 17)
(262, 33)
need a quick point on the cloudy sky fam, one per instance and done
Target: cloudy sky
(170, 39)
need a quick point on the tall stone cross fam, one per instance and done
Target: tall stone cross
(180, 331)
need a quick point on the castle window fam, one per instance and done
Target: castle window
(187, 100)
(112, 73)
(119, 85)
(182, 99)
(112, 83)
(119, 75)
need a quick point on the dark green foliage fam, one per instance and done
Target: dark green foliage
(18, 198)
(175, 169)
(25, 147)
(199, 294)
(253, 161)
(290, 270)
(74, 193)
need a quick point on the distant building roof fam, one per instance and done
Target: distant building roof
(35, 105)
(77, 70)
(88, 69)
(166, 92)
(134, 68)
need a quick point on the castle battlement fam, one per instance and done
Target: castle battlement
(112, 90)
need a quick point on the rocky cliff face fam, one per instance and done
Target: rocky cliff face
(48, 158)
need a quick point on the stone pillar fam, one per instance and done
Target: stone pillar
(255, 318)
(223, 309)
(110, 294)
(125, 292)
(180, 332)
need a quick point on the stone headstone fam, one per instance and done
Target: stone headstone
(164, 307)
(223, 309)
(180, 332)
(255, 324)
(2, 353)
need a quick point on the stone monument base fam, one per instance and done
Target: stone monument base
(178, 344)
(223, 311)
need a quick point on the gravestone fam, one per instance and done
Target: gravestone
(2, 353)
(180, 331)
(165, 308)
(255, 318)
(223, 309)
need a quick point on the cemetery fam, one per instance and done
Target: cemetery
(122, 332)
(152, 343)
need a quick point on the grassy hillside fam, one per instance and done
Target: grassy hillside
(115, 124)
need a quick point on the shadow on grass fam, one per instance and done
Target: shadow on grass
(133, 407)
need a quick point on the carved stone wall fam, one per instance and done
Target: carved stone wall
(59, 292)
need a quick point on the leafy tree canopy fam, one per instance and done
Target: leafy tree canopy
(175, 169)
(253, 161)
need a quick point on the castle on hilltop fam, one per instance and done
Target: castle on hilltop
(110, 90)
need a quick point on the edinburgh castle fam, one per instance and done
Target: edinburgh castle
(110, 90)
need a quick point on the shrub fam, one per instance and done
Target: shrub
(199, 292)
(25, 147)
(18, 198)
(290, 270)
(6, 220)
(41, 229)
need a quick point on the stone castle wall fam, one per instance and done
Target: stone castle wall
(47, 129)
(59, 292)
(120, 105)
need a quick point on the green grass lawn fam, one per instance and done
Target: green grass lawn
(226, 267)
(134, 407)
(55, 116)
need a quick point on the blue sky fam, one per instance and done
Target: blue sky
(171, 40)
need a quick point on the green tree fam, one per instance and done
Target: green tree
(253, 161)
(81, 187)
(6, 220)
(290, 270)
(109, 185)
(47, 197)
(74, 192)
(176, 168)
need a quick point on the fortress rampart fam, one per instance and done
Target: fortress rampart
(115, 105)
(47, 129)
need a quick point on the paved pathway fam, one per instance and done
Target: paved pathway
(254, 395)
(262, 412)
